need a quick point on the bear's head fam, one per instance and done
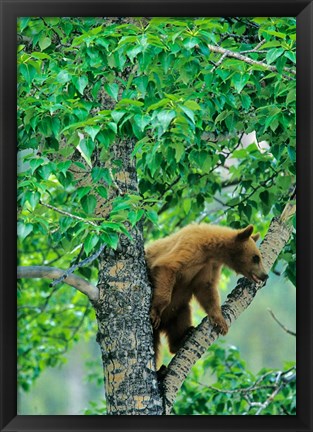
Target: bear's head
(245, 257)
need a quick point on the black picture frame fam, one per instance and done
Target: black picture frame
(10, 10)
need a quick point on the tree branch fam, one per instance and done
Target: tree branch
(238, 56)
(77, 282)
(63, 212)
(280, 324)
(79, 264)
(237, 301)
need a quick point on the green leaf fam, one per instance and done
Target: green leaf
(34, 199)
(291, 56)
(179, 150)
(112, 90)
(152, 216)
(271, 44)
(102, 192)
(291, 97)
(64, 166)
(111, 239)
(23, 23)
(142, 121)
(117, 115)
(189, 113)
(292, 153)
(82, 191)
(63, 77)
(40, 55)
(194, 106)
(245, 101)
(265, 197)
(86, 147)
(99, 173)
(28, 72)
(23, 230)
(55, 126)
(80, 83)
(113, 127)
(92, 131)
(165, 118)
(126, 102)
(89, 203)
(35, 163)
(239, 81)
(222, 116)
(275, 33)
(159, 104)
(44, 43)
(186, 205)
(135, 216)
(273, 54)
(90, 242)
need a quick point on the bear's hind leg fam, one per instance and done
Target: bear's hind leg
(178, 328)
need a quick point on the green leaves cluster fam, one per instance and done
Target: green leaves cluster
(233, 389)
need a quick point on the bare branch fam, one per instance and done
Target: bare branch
(280, 324)
(77, 282)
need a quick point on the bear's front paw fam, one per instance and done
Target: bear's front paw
(155, 318)
(220, 322)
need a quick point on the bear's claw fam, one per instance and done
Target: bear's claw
(155, 319)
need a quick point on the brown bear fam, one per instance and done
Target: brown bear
(188, 263)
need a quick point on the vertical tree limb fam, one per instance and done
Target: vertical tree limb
(124, 328)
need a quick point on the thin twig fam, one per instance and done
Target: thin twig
(65, 213)
(280, 324)
(82, 263)
(269, 400)
(115, 183)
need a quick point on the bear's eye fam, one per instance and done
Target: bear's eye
(256, 259)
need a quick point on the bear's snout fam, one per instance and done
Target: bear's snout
(259, 277)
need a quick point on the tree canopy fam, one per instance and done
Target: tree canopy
(187, 92)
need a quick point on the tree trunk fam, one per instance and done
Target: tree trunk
(124, 328)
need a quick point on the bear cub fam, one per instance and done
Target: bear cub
(188, 263)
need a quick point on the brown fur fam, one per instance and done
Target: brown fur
(189, 263)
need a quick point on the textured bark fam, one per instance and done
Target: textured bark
(124, 328)
(237, 301)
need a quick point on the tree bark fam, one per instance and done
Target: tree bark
(44, 272)
(124, 328)
(237, 301)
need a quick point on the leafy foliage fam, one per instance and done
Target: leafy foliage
(87, 83)
(236, 390)
(160, 86)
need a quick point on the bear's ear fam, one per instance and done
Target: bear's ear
(255, 237)
(245, 233)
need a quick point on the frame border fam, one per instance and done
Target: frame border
(9, 11)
